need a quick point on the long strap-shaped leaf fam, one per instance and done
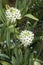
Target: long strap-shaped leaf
(4, 63)
(2, 15)
(4, 56)
(5, 60)
(31, 16)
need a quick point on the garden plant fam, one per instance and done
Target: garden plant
(21, 32)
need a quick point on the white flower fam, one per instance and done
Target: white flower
(26, 37)
(12, 14)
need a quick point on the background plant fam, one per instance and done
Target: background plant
(23, 56)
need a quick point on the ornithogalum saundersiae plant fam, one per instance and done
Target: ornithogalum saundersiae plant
(17, 35)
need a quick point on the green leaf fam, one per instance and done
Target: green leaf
(32, 17)
(2, 15)
(4, 63)
(31, 59)
(11, 28)
(23, 7)
(28, 25)
(36, 63)
(8, 38)
(34, 25)
(4, 56)
(14, 60)
(18, 55)
(26, 56)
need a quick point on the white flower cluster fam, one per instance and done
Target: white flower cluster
(26, 37)
(12, 14)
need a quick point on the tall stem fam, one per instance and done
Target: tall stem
(8, 40)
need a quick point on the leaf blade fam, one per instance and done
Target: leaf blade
(32, 17)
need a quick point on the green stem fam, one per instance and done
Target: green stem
(8, 41)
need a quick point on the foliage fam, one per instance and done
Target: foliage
(11, 51)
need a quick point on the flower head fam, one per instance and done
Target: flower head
(12, 14)
(26, 37)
